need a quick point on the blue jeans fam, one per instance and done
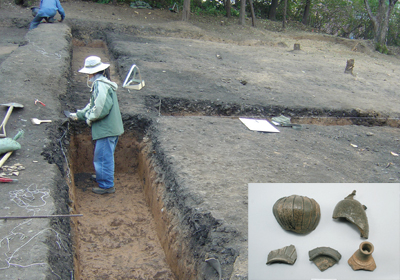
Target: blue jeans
(38, 18)
(103, 161)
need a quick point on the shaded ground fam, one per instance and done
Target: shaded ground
(203, 156)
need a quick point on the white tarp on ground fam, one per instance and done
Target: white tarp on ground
(258, 125)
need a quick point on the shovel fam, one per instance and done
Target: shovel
(37, 121)
(9, 111)
(67, 114)
(7, 155)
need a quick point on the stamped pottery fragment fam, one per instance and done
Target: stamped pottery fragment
(287, 255)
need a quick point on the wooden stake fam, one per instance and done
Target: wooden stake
(349, 66)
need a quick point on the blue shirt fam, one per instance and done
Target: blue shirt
(49, 8)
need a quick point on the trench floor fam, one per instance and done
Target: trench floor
(116, 237)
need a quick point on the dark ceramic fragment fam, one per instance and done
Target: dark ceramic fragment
(213, 262)
(324, 257)
(354, 212)
(286, 255)
(297, 213)
(362, 258)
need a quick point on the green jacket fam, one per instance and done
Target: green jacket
(103, 110)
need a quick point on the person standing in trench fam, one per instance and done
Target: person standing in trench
(103, 115)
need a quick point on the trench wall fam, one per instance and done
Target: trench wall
(168, 227)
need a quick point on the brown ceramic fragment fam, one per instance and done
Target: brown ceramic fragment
(362, 258)
(324, 257)
(297, 213)
(286, 255)
(354, 212)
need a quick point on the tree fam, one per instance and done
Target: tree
(380, 21)
(186, 10)
(242, 13)
(253, 16)
(228, 8)
(272, 10)
(284, 15)
(306, 14)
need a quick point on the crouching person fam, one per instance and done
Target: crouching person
(47, 10)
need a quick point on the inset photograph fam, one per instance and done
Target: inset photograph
(324, 231)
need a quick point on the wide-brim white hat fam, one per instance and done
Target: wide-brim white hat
(93, 65)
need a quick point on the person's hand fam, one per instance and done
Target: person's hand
(89, 123)
(73, 116)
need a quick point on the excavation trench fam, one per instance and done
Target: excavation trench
(121, 235)
(324, 117)
(117, 237)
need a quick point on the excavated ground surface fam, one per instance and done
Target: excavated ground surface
(116, 237)
(196, 157)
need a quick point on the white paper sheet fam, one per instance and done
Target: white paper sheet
(258, 125)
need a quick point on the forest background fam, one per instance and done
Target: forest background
(355, 19)
(377, 20)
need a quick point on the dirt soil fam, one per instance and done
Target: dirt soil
(118, 239)
(200, 77)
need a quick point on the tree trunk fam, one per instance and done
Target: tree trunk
(284, 15)
(228, 8)
(253, 16)
(272, 10)
(242, 13)
(186, 10)
(306, 14)
(380, 21)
